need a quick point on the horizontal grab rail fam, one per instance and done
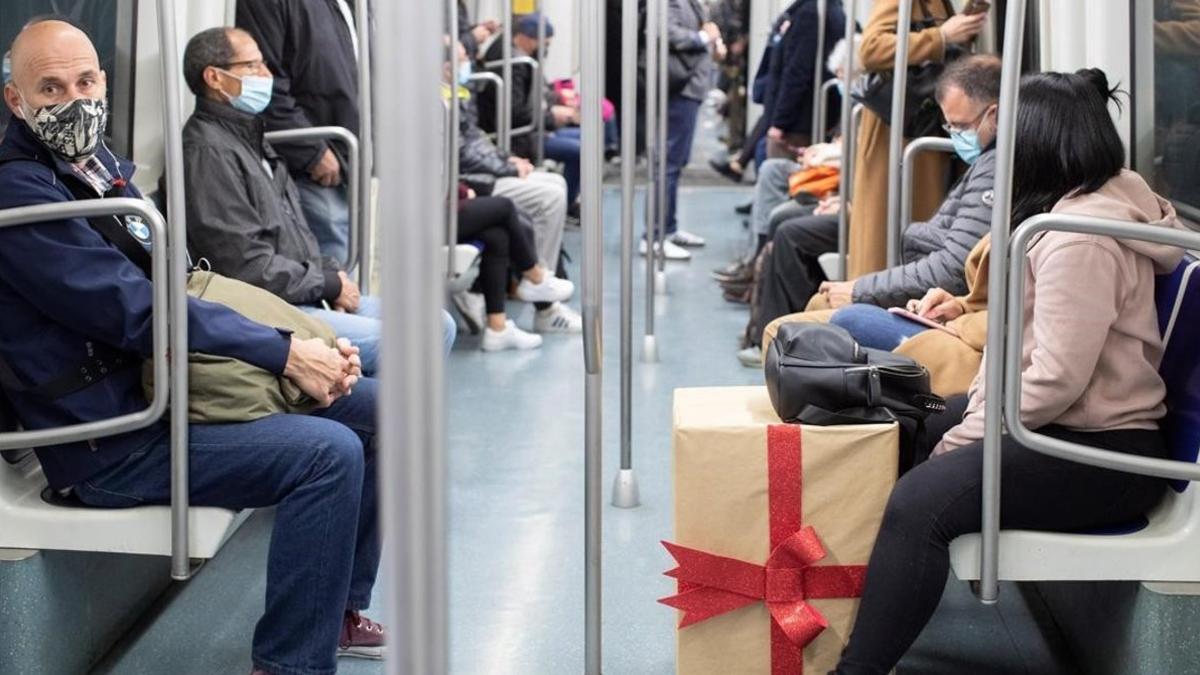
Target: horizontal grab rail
(358, 221)
(91, 208)
(907, 178)
(1075, 452)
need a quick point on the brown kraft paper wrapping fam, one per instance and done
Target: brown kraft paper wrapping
(722, 507)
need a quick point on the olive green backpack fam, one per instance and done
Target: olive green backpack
(222, 389)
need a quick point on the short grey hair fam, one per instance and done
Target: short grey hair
(978, 77)
(210, 47)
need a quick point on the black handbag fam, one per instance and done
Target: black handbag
(817, 373)
(922, 114)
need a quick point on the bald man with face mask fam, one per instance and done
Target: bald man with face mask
(76, 297)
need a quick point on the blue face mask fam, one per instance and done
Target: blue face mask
(841, 88)
(464, 73)
(256, 93)
(6, 71)
(966, 144)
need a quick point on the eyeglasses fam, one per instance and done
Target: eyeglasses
(952, 129)
(257, 64)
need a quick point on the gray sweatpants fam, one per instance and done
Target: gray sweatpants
(543, 197)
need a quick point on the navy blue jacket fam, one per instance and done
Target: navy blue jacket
(793, 60)
(63, 287)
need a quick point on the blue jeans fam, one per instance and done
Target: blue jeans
(318, 471)
(328, 215)
(563, 145)
(364, 328)
(875, 327)
(681, 131)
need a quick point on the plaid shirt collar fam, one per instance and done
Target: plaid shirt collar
(95, 174)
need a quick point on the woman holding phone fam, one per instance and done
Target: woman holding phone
(1089, 372)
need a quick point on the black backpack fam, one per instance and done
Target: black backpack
(818, 374)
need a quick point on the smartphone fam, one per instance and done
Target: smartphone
(913, 316)
(976, 7)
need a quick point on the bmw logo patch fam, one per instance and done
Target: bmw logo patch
(138, 229)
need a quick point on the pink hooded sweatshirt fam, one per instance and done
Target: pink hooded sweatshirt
(1091, 348)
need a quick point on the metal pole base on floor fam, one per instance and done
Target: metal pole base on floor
(625, 490)
(660, 283)
(649, 349)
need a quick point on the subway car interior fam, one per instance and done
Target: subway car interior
(602, 336)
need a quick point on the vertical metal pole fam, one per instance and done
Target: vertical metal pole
(818, 93)
(506, 101)
(411, 453)
(849, 131)
(1006, 141)
(539, 114)
(177, 288)
(664, 114)
(625, 488)
(592, 83)
(649, 231)
(452, 141)
(366, 146)
(896, 136)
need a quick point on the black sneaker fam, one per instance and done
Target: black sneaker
(744, 209)
(725, 170)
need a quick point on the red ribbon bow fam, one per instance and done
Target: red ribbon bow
(711, 585)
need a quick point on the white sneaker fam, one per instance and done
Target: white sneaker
(509, 338)
(673, 252)
(473, 309)
(557, 318)
(751, 357)
(552, 289)
(685, 238)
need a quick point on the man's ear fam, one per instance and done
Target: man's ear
(211, 77)
(13, 100)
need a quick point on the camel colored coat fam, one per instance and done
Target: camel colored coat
(868, 218)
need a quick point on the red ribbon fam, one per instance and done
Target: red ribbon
(711, 585)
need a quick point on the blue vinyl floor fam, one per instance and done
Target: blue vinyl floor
(515, 429)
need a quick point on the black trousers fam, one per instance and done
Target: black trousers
(939, 500)
(494, 222)
(791, 274)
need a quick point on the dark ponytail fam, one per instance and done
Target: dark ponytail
(1066, 140)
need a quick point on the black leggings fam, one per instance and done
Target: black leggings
(494, 221)
(939, 500)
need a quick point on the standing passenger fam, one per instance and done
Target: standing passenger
(311, 46)
(694, 41)
(868, 218)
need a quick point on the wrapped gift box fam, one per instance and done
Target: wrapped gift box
(774, 524)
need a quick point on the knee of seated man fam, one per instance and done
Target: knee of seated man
(335, 449)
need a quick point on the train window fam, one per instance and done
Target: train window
(1166, 43)
(112, 27)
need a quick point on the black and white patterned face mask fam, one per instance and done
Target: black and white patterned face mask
(71, 130)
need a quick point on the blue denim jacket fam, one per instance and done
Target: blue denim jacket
(64, 288)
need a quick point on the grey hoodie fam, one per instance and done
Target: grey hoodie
(1092, 347)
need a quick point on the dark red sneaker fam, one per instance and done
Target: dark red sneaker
(361, 637)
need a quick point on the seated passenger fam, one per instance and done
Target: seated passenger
(562, 141)
(1089, 372)
(495, 223)
(69, 295)
(244, 212)
(935, 251)
(541, 195)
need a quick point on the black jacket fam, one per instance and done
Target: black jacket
(527, 96)
(793, 60)
(245, 221)
(308, 47)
